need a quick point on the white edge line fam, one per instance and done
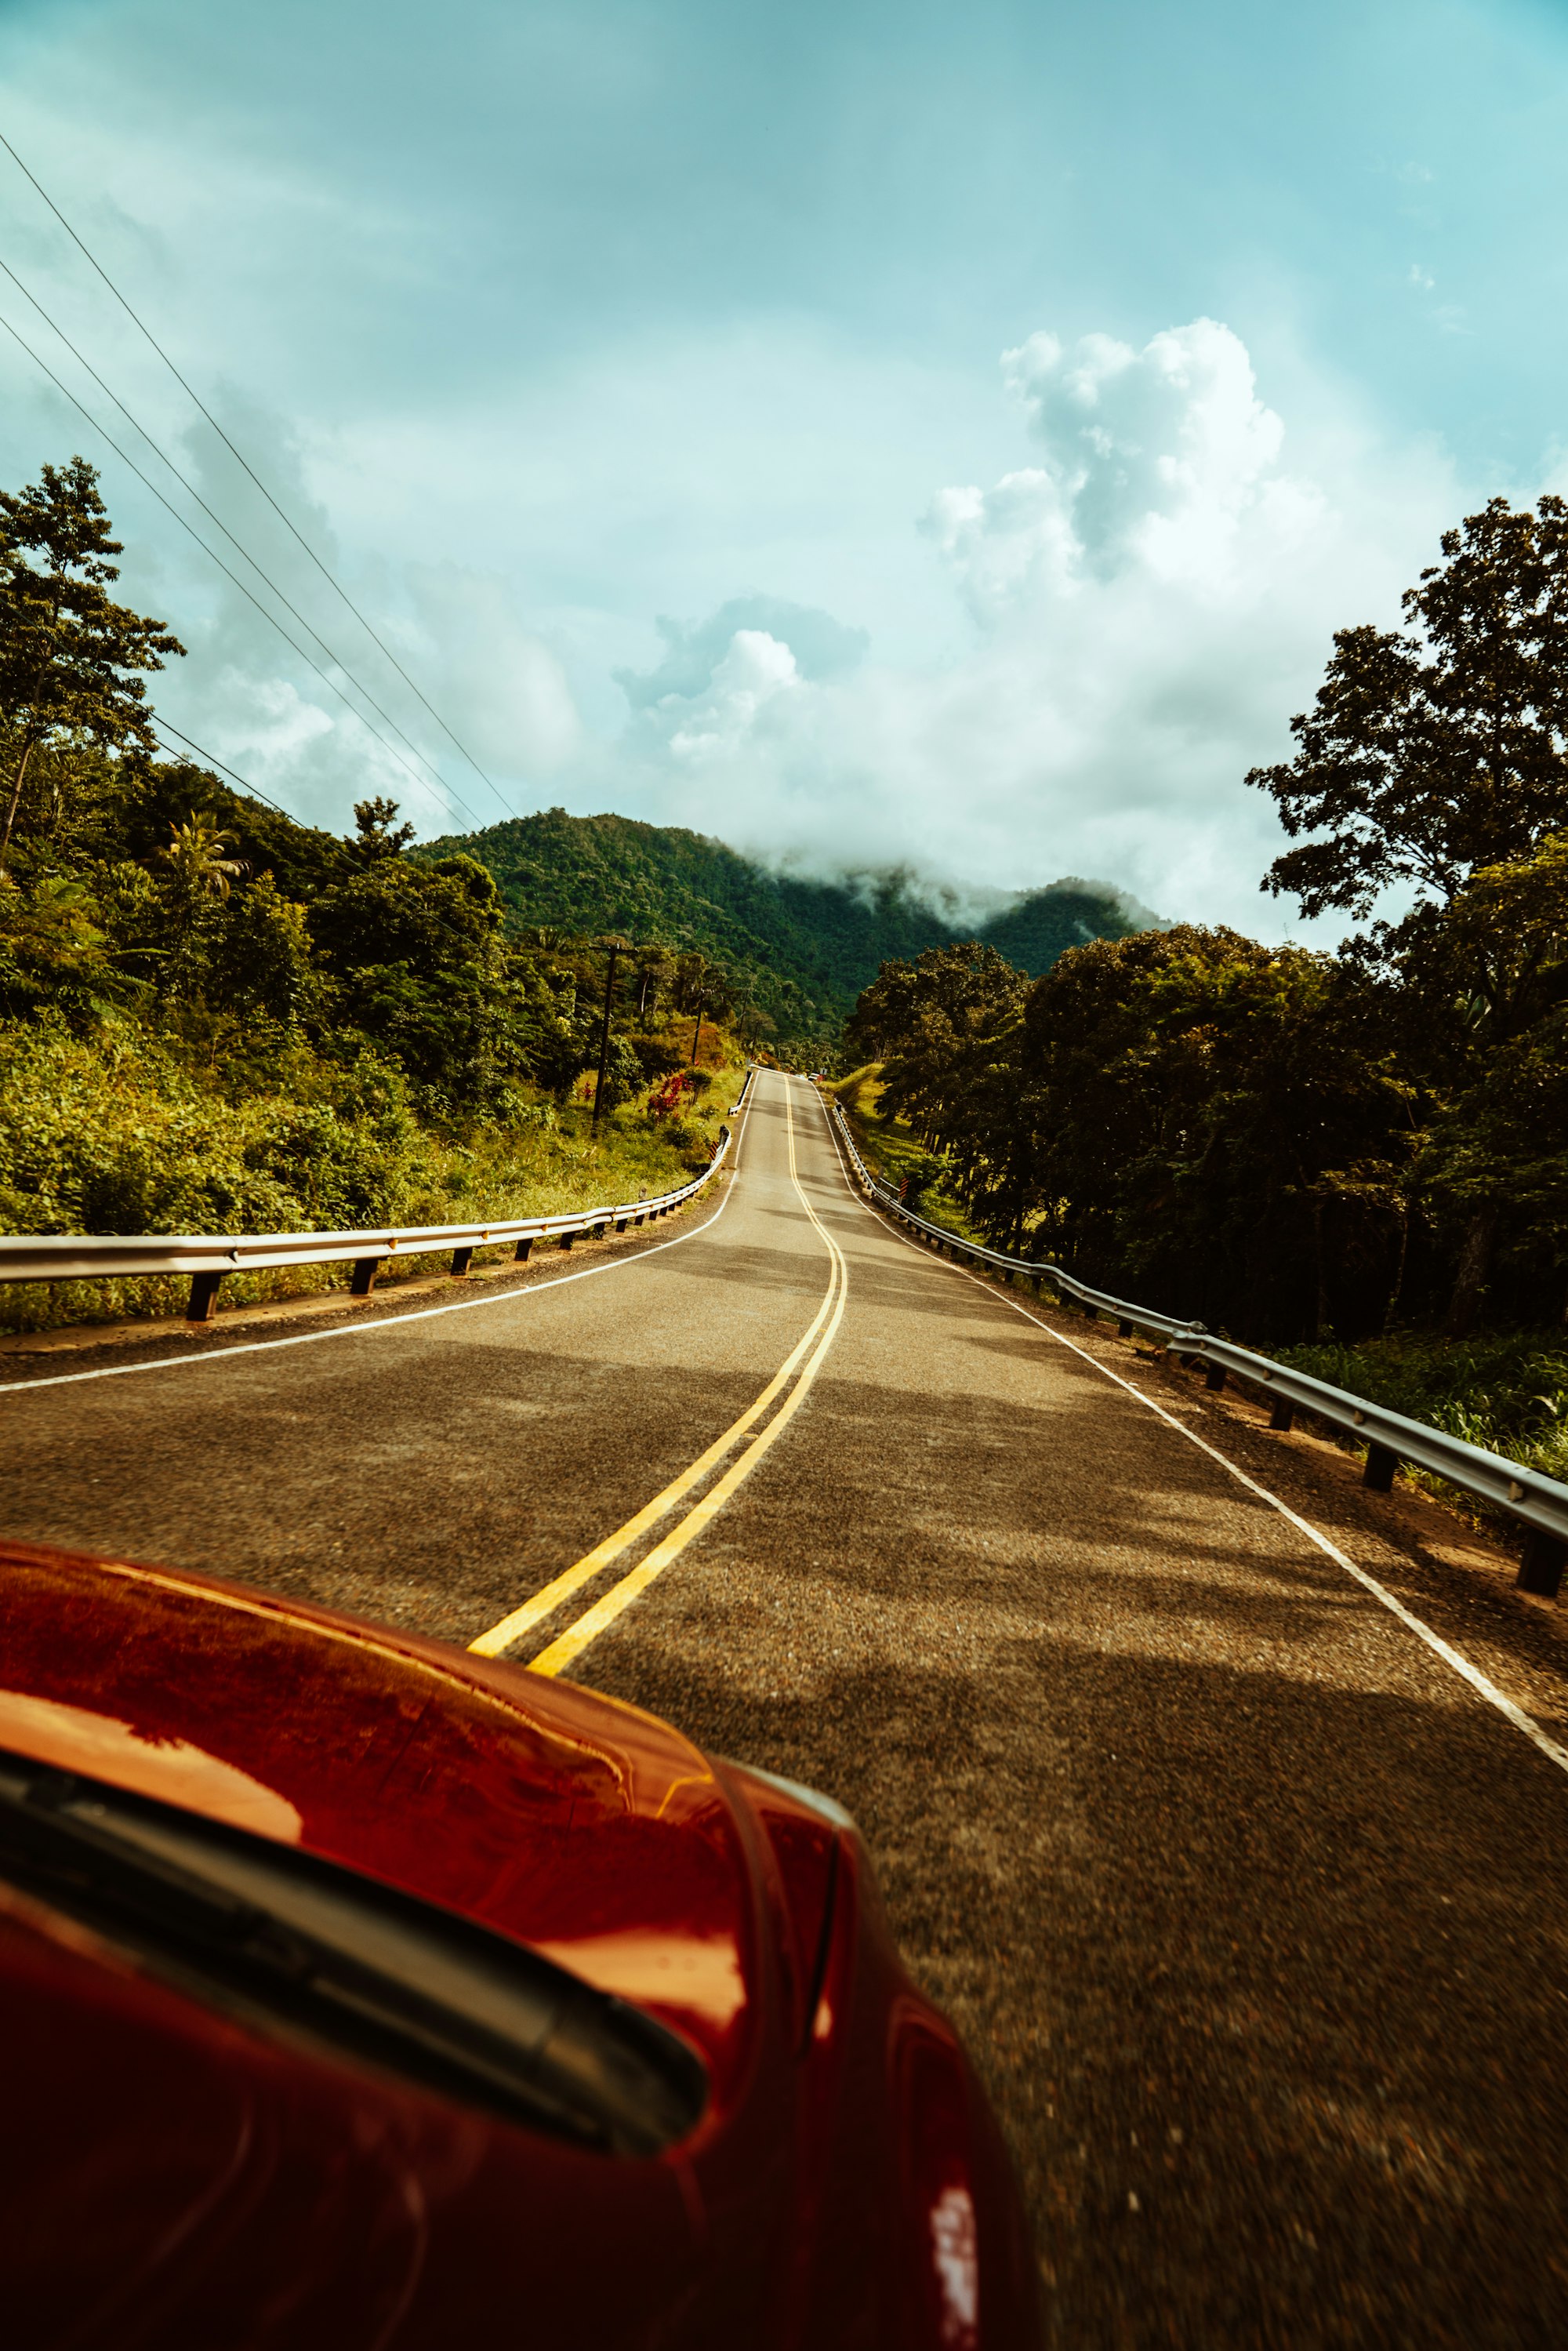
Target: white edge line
(386, 1322)
(1434, 1642)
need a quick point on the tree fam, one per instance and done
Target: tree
(933, 1024)
(1436, 751)
(197, 873)
(68, 652)
(375, 836)
(1485, 985)
(193, 854)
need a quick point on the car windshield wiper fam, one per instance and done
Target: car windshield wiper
(282, 1935)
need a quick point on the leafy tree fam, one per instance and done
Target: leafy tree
(1436, 750)
(52, 950)
(69, 654)
(197, 874)
(194, 856)
(1484, 985)
(944, 1029)
(260, 965)
(375, 836)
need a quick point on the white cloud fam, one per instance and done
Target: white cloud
(755, 669)
(1151, 598)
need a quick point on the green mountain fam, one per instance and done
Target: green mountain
(803, 949)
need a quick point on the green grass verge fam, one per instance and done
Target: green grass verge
(1507, 1391)
(123, 1140)
(895, 1153)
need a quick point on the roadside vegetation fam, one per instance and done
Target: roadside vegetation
(923, 1178)
(215, 1019)
(1359, 1158)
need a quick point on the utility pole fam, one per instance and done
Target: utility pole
(614, 948)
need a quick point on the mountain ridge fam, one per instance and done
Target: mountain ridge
(802, 948)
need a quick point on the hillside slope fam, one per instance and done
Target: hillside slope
(804, 949)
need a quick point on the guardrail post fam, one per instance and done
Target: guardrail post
(1283, 1414)
(1380, 1464)
(1214, 1378)
(1123, 1328)
(202, 1303)
(524, 1249)
(599, 1232)
(1091, 1313)
(364, 1277)
(1541, 1567)
(566, 1240)
(461, 1260)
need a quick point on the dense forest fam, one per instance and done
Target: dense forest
(213, 1019)
(1295, 1145)
(800, 950)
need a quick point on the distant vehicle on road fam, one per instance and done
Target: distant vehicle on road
(360, 1994)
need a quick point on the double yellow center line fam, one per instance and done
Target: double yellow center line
(801, 1366)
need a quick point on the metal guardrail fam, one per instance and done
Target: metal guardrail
(208, 1257)
(1539, 1504)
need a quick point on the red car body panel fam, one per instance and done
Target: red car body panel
(170, 2176)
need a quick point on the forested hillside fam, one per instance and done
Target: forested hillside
(800, 950)
(213, 1018)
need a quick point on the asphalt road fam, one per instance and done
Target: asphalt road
(1252, 1909)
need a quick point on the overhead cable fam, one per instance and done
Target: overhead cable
(238, 545)
(163, 727)
(192, 395)
(186, 526)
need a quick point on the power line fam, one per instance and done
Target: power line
(186, 526)
(331, 579)
(164, 728)
(240, 548)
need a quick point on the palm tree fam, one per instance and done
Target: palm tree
(199, 874)
(195, 852)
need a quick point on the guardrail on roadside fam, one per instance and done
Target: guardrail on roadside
(1539, 1504)
(206, 1258)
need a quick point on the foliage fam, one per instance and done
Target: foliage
(795, 951)
(943, 1029)
(213, 1017)
(1508, 1393)
(118, 1133)
(68, 654)
(1295, 1144)
(1433, 752)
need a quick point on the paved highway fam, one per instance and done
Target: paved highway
(1250, 1903)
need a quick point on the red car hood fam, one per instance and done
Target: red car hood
(584, 1828)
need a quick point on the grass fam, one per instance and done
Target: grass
(546, 1163)
(892, 1151)
(1506, 1391)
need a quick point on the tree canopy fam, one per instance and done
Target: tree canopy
(70, 657)
(1438, 750)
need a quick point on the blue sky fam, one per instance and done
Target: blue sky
(867, 433)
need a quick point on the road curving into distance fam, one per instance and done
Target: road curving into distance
(1250, 1906)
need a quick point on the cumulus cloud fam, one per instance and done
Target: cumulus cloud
(1150, 598)
(823, 647)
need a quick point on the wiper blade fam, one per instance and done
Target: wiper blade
(247, 1923)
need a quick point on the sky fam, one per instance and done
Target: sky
(873, 434)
